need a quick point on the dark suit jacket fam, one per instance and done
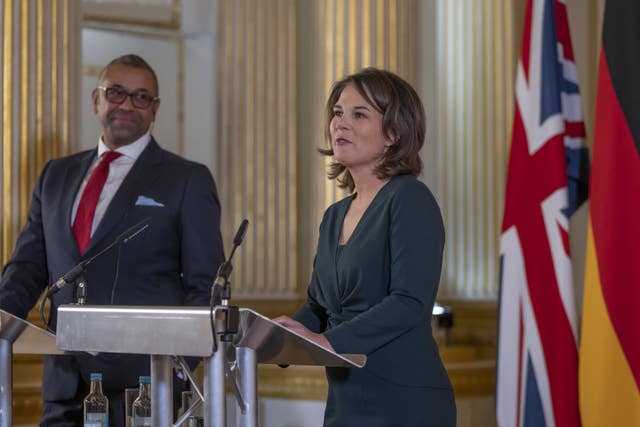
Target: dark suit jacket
(172, 262)
(375, 294)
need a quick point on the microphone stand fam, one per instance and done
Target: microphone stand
(220, 298)
(76, 274)
(221, 293)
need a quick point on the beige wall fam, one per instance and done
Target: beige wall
(39, 99)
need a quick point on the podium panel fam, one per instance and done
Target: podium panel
(185, 331)
(18, 336)
(277, 345)
(25, 337)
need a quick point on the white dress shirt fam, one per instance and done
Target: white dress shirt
(118, 170)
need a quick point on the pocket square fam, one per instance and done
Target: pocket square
(148, 201)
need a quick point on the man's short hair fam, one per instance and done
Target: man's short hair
(135, 61)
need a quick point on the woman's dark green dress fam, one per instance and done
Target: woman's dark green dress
(374, 296)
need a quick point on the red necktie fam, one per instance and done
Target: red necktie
(87, 205)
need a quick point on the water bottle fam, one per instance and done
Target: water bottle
(141, 408)
(96, 404)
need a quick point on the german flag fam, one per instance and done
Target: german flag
(609, 373)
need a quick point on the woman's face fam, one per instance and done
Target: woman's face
(356, 132)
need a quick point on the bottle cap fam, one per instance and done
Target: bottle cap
(145, 379)
(96, 376)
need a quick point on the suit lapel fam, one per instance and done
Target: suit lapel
(71, 184)
(142, 175)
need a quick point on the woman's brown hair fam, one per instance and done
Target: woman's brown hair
(403, 121)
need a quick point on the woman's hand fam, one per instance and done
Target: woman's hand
(300, 329)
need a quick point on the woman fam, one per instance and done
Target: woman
(377, 266)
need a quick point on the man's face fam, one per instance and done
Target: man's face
(124, 123)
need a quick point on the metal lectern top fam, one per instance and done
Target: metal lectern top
(184, 331)
(275, 344)
(26, 338)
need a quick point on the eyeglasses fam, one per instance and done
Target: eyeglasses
(117, 95)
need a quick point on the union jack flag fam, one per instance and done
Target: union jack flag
(537, 375)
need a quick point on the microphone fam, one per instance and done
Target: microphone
(225, 269)
(76, 271)
(242, 231)
(221, 294)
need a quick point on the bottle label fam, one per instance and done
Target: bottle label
(96, 420)
(141, 422)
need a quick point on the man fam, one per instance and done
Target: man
(82, 202)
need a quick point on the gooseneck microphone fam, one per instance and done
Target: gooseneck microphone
(220, 284)
(76, 271)
(242, 231)
(221, 294)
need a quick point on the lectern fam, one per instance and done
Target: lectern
(18, 336)
(187, 331)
